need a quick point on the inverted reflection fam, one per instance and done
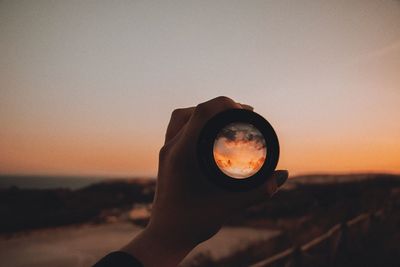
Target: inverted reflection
(239, 150)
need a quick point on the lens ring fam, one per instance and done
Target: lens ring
(205, 149)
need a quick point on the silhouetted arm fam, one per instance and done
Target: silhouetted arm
(187, 209)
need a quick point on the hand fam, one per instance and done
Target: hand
(188, 209)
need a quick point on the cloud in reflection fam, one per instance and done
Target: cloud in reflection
(240, 150)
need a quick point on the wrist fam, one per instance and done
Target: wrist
(155, 248)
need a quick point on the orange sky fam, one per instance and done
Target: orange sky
(87, 89)
(238, 159)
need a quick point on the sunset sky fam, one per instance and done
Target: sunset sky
(87, 87)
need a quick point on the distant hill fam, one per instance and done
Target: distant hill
(341, 178)
(24, 208)
(53, 182)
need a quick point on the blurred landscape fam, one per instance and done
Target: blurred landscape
(90, 87)
(75, 222)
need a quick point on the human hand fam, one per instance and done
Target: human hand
(188, 209)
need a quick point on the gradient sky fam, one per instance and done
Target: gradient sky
(87, 87)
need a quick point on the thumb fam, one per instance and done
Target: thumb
(268, 189)
(281, 177)
(272, 185)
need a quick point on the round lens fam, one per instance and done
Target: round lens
(239, 150)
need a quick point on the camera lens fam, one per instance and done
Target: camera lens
(239, 150)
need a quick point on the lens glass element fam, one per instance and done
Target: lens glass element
(239, 150)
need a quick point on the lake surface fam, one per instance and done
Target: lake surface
(83, 245)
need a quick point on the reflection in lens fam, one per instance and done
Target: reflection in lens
(239, 150)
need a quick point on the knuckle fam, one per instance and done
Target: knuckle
(201, 108)
(224, 100)
(176, 112)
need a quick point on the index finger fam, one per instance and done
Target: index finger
(204, 111)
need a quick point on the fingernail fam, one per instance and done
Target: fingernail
(281, 177)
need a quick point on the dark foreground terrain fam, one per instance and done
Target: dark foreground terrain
(306, 209)
(351, 220)
(25, 209)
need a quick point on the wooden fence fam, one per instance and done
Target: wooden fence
(326, 249)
